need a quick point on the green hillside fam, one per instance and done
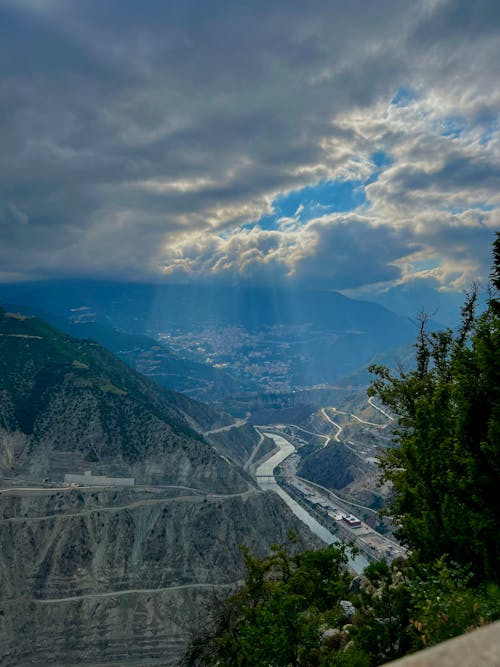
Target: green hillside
(67, 395)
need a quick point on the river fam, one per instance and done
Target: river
(267, 482)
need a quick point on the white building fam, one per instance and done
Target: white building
(88, 479)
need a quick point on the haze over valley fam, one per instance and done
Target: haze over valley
(257, 339)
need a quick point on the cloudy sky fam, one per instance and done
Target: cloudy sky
(347, 145)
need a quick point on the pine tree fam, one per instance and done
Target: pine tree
(445, 467)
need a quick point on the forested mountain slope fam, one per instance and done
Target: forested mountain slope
(61, 395)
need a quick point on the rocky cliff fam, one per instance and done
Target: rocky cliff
(111, 575)
(105, 576)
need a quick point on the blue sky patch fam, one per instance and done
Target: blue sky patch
(315, 201)
(491, 128)
(403, 97)
(451, 127)
(381, 159)
(426, 264)
(323, 198)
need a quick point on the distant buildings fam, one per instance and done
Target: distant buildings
(88, 479)
(352, 521)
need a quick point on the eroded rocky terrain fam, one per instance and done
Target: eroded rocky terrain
(95, 576)
(114, 575)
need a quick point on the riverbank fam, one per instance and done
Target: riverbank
(267, 482)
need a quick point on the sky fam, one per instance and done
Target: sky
(352, 145)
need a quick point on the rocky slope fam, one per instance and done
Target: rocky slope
(341, 470)
(241, 443)
(100, 576)
(114, 575)
(66, 404)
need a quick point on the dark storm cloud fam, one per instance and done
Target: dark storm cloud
(459, 20)
(453, 175)
(350, 252)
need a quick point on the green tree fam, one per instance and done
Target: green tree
(277, 616)
(443, 603)
(383, 613)
(445, 467)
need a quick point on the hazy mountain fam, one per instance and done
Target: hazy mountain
(94, 575)
(410, 300)
(141, 307)
(70, 395)
(149, 356)
(266, 339)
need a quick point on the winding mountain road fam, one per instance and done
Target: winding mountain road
(318, 435)
(195, 498)
(376, 407)
(132, 591)
(337, 426)
(228, 427)
(251, 458)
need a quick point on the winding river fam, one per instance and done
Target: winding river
(267, 482)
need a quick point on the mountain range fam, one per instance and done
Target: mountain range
(214, 341)
(113, 574)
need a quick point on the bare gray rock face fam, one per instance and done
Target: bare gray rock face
(96, 577)
(112, 575)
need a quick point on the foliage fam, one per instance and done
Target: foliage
(383, 617)
(446, 467)
(289, 613)
(445, 605)
(278, 616)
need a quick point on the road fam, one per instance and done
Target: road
(254, 451)
(236, 424)
(376, 407)
(136, 487)
(318, 435)
(132, 591)
(199, 498)
(342, 500)
(337, 426)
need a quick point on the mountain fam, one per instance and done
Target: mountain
(95, 574)
(265, 339)
(443, 307)
(149, 356)
(69, 395)
(137, 308)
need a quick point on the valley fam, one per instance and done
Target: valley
(94, 574)
(220, 342)
(249, 331)
(306, 460)
(125, 503)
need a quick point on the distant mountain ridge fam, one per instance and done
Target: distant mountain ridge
(151, 305)
(263, 339)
